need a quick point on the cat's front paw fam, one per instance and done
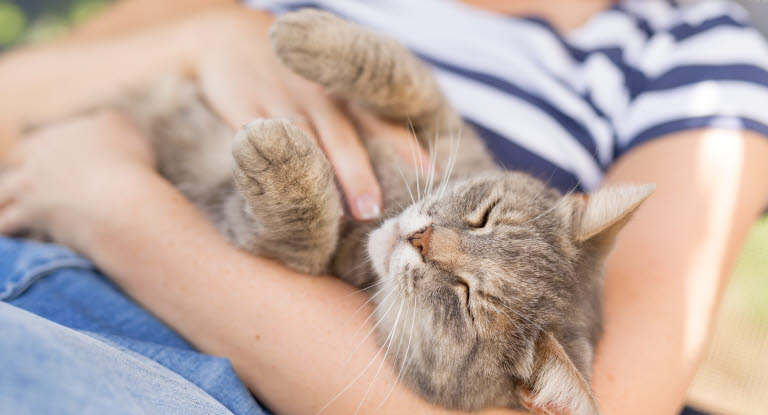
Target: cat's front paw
(287, 185)
(308, 42)
(265, 150)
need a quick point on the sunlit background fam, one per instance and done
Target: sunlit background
(734, 376)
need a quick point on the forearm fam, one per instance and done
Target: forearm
(288, 335)
(43, 83)
(670, 264)
(52, 81)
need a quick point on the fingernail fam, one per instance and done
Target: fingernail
(368, 208)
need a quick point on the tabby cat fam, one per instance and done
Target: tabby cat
(497, 278)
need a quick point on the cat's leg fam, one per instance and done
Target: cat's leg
(350, 61)
(381, 74)
(291, 202)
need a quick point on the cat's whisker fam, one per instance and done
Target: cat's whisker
(402, 208)
(541, 190)
(365, 262)
(418, 148)
(407, 186)
(363, 305)
(415, 162)
(399, 345)
(444, 176)
(346, 388)
(559, 202)
(432, 153)
(386, 313)
(512, 322)
(384, 359)
(444, 179)
(366, 288)
(537, 326)
(452, 160)
(405, 362)
(393, 291)
(383, 301)
(454, 156)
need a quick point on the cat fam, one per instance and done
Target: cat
(497, 277)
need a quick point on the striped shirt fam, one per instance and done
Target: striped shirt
(564, 107)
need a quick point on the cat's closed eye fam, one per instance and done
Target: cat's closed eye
(463, 287)
(479, 224)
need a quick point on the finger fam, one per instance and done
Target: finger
(350, 161)
(402, 138)
(8, 189)
(234, 95)
(12, 220)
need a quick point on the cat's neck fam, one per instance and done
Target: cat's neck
(565, 15)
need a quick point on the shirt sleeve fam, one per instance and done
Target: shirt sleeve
(707, 68)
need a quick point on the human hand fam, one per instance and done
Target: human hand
(61, 176)
(243, 80)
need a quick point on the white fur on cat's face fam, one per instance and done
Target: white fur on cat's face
(449, 318)
(388, 246)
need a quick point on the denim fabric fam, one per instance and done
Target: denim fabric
(131, 350)
(106, 354)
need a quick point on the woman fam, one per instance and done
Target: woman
(609, 76)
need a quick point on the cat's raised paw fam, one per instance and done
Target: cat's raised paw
(311, 43)
(265, 144)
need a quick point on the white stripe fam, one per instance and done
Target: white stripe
(658, 13)
(502, 53)
(726, 98)
(611, 29)
(696, 12)
(607, 85)
(516, 120)
(661, 15)
(724, 45)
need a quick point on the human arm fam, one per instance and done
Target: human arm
(224, 47)
(289, 335)
(668, 269)
(664, 281)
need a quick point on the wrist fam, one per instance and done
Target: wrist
(112, 203)
(223, 27)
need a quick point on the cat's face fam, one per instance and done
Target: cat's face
(485, 271)
(470, 281)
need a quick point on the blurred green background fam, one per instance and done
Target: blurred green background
(35, 20)
(734, 375)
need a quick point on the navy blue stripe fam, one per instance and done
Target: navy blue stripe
(576, 53)
(686, 30)
(576, 129)
(515, 157)
(640, 22)
(312, 5)
(682, 124)
(690, 411)
(691, 74)
(634, 79)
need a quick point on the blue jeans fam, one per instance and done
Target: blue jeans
(72, 343)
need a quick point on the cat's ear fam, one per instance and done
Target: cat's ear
(556, 387)
(603, 213)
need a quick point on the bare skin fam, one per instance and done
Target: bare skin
(239, 75)
(665, 276)
(659, 303)
(138, 40)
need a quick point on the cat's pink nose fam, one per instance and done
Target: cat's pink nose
(420, 240)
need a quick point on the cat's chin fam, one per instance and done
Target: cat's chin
(381, 242)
